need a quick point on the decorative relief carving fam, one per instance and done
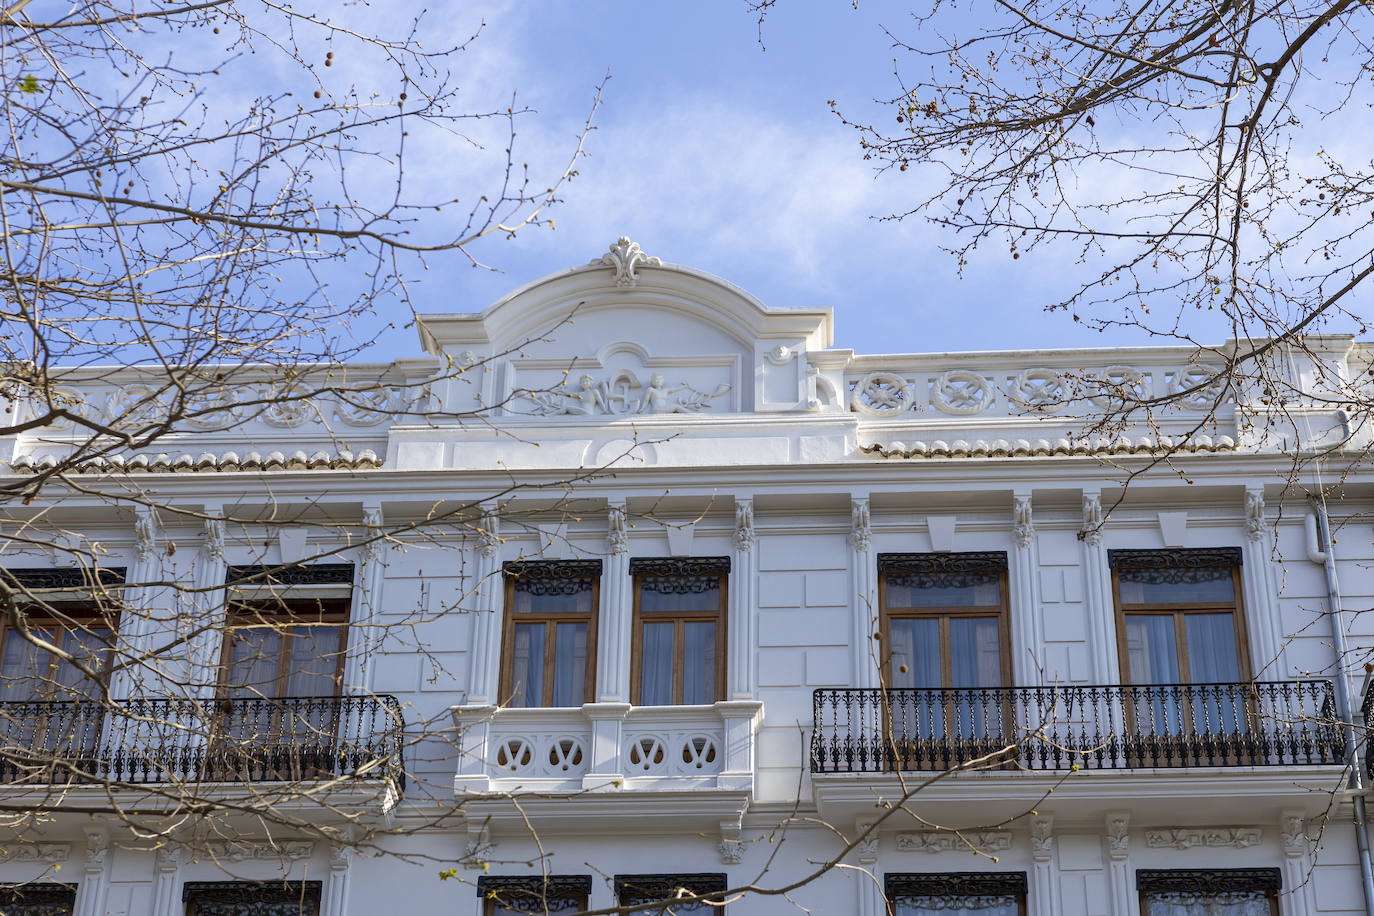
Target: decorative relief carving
(1037, 389)
(961, 393)
(860, 531)
(744, 525)
(866, 850)
(168, 857)
(1042, 838)
(1254, 515)
(731, 852)
(287, 850)
(214, 537)
(97, 848)
(617, 538)
(1118, 837)
(880, 394)
(145, 534)
(615, 397)
(1210, 381)
(46, 853)
(626, 257)
(1091, 534)
(1022, 525)
(1210, 837)
(1116, 387)
(1294, 836)
(933, 841)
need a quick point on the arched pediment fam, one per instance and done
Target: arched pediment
(592, 339)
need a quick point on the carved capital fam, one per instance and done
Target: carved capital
(168, 858)
(214, 534)
(1092, 520)
(1254, 514)
(1294, 836)
(145, 533)
(1042, 838)
(866, 850)
(1022, 525)
(372, 529)
(97, 848)
(860, 529)
(744, 525)
(617, 537)
(489, 534)
(1118, 824)
(731, 852)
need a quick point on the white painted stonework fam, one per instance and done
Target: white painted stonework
(700, 422)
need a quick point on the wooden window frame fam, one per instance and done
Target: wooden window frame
(1180, 609)
(283, 614)
(987, 562)
(1205, 881)
(956, 884)
(570, 569)
(641, 568)
(76, 616)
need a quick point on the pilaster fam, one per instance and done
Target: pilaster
(95, 873)
(139, 618)
(1299, 893)
(741, 725)
(341, 854)
(1262, 615)
(869, 898)
(742, 626)
(863, 574)
(604, 767)
(488, 598)
(1027, 637)
(1044, 889)
(614, 628)
(367, 595)
(1097, 577)
(206, 604)
(1118, 843)
(166, 870)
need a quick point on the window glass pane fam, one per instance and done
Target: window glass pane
(88, 645)
(24, 668)
(699, 662)
(527, 665)
(552, 596)
(1176, 586)
(975, 652)
(667, 594)
(570, 664)
(989, 905)
(656, 665)
(945, 589)
(253, 662)
(1212, 655)
(915, 652)
(1151, 649)
(314, 665)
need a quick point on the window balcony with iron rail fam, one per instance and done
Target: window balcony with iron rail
(1087, 742)
(238, 741)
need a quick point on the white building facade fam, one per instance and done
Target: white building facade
(657, 589)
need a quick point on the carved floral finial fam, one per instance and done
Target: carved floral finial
(626, 257)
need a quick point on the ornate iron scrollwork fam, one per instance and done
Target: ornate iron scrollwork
(65, 577)
(679, 575)
(38, 899)
(1208, 880)
(552, 577)
(990, 561)
(301, 574)
(637, 889)
(258, 898)
(1175, 558)
(535, 894)
(956, 884)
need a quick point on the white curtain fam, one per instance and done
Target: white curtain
(974, 905)
(1244, 903)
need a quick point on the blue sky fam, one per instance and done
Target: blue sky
(715, 152)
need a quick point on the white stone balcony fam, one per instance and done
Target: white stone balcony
(692, 762)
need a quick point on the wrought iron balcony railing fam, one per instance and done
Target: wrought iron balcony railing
(212, 740)
(1367, 717)
(1277, 723)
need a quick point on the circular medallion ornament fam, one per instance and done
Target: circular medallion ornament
(881, 394)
